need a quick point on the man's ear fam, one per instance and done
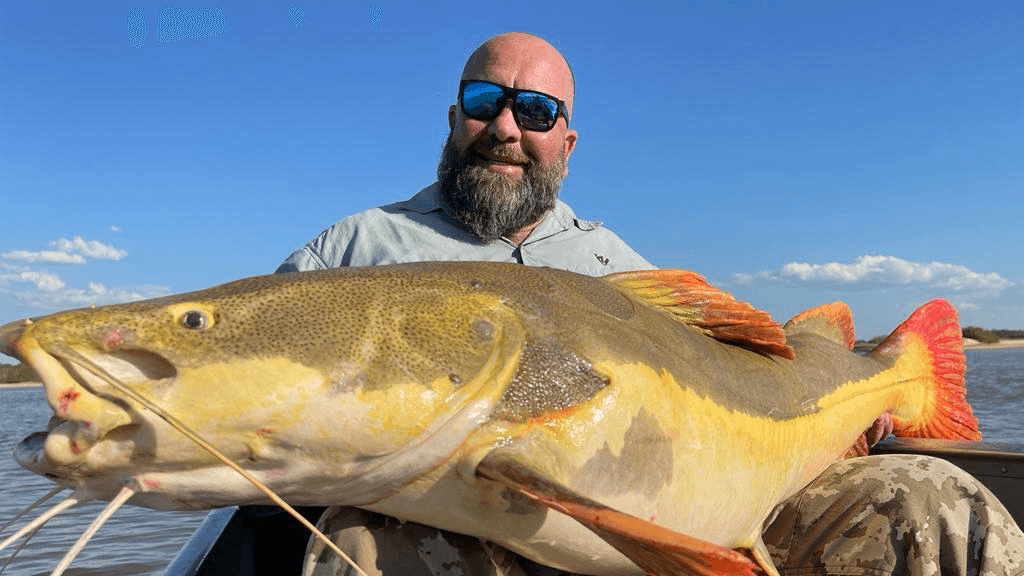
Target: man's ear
(451, 117)
(567, 147)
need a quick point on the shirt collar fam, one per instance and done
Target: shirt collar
(558, 219)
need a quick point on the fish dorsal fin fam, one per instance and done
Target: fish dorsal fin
(833, 321)
(712, 311)
(655, 549)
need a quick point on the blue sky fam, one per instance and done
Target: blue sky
(794, 153)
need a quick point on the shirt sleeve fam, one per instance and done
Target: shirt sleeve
(327, 250)
(302, 260)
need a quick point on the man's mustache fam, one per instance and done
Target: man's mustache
(504, 153)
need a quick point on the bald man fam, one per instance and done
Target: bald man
(496, 198)
(496, 195)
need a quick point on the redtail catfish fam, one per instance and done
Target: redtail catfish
(644, 421)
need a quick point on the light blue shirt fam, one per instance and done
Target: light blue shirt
(418, 230)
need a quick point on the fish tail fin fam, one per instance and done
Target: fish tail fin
(929, 347)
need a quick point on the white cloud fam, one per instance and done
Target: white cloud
(114, 228)
(73, 251)
(29, 287)
(741, 278)
(884, 271)
(9, 273)
(45, 256)
(44, 281)
(90, 248)
(98, 294)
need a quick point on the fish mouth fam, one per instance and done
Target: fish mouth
(85, 388)
(9, 334)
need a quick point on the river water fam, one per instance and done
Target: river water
(134, 541)
(137, 541)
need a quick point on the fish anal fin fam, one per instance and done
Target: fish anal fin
(860, 448)
(933, 338)
(833, 321)
(655, 549)
(691, 300)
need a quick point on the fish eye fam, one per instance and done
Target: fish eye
(194, 320)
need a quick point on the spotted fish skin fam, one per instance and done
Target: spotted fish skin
(386, 387)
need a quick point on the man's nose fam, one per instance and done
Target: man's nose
(504, 127)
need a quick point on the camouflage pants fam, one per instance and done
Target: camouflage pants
(874, 516)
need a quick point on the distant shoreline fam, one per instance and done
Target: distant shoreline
(969, 344)
(972, 344)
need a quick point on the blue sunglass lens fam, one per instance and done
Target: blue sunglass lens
(480, 100)
(536, 111)
(533, 110)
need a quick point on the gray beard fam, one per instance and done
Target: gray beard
(496, 205)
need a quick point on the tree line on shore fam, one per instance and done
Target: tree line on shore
(10, 373)
(982, 335)
(991, 336)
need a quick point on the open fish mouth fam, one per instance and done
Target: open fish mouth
(85, 389)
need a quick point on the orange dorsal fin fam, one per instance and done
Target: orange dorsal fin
(655, 549)
(932, 338)
(688, 297)
(833, 321)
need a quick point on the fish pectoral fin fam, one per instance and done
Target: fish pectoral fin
(655, 549)
(692, 301)
(763, 558)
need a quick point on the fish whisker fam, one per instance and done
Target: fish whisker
(56, 490)
(29, 536)
(42, 519)
(180, 426)
(118, 501)
(18, 550)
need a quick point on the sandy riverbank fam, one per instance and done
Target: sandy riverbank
(21, 385)
(1004, 343)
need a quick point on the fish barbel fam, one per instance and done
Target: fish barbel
(640, 422)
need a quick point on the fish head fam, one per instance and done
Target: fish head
(332, 387)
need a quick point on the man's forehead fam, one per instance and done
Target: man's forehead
(521, 62)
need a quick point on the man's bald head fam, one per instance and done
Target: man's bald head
(527, 60)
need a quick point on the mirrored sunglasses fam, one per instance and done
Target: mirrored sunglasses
(532, 110)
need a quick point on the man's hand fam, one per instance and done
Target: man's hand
(879, 429)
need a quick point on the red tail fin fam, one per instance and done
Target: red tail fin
(932, 338)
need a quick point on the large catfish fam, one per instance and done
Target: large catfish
(641, 422)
